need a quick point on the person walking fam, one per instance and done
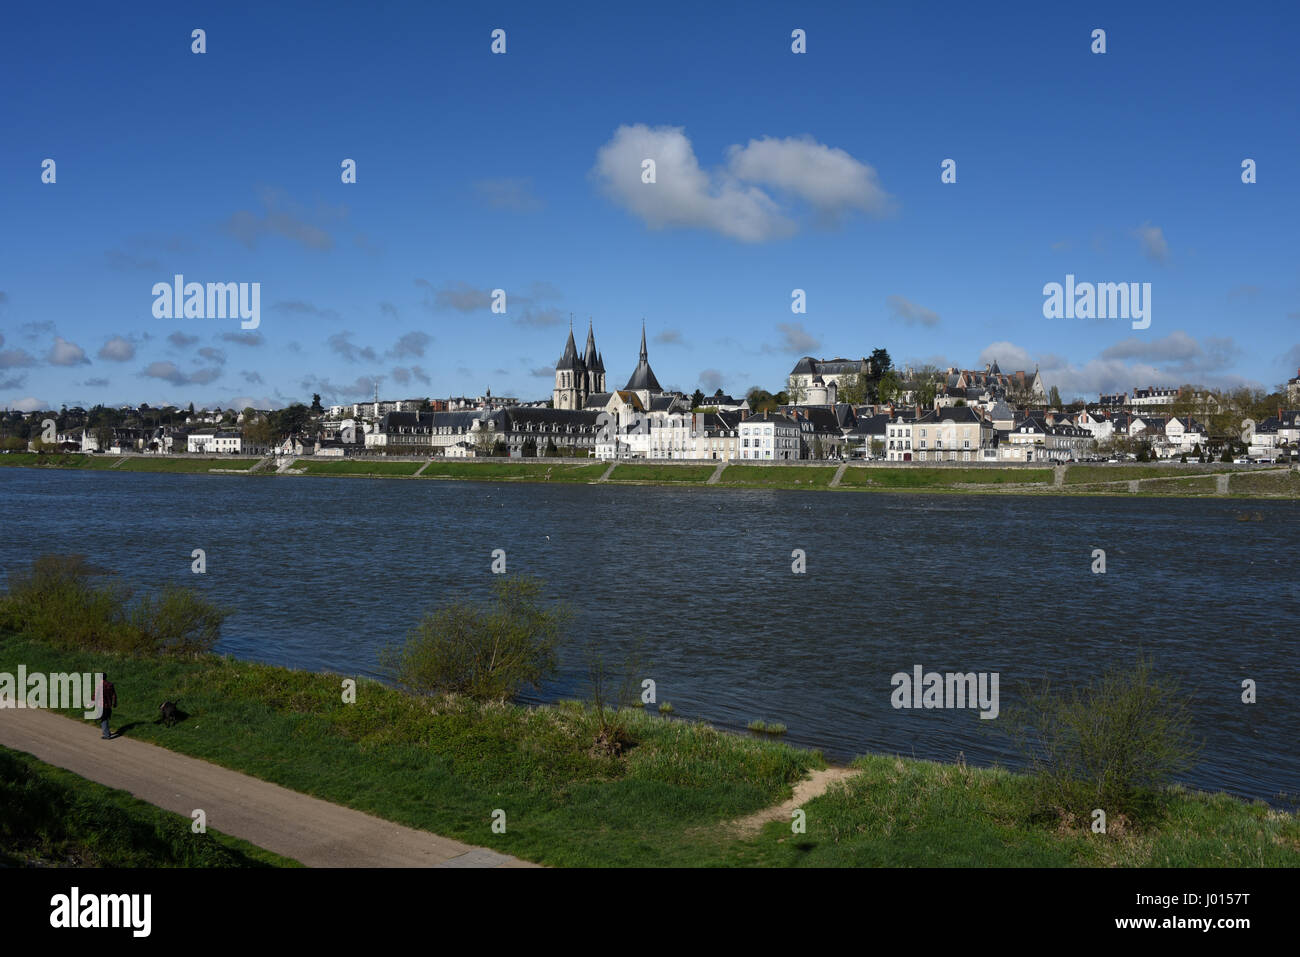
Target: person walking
(108, 701)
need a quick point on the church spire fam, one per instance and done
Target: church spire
(643, 378)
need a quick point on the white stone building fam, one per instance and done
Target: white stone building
(769, 437)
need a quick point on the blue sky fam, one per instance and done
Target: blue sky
(775, 171)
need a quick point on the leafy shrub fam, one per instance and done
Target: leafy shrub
(1114, 744)
(485, 651)
(57, 600)
(178, 622)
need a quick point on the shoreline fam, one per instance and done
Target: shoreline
(1197, 480)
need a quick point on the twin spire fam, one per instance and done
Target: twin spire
(643, 378)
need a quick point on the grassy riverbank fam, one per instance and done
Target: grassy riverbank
(1171, 480)
(53, 818)
(446, 765)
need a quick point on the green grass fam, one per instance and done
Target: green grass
(908, 813)
(911, 476)
(356, 467)
(1086, 474)
(55, 818)
(1180, 485)
(535, 470)
(445, 766)
(1265, 483)
(163, 464)
(778, 476)
(662, 473)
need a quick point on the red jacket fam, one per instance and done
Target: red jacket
(108, 694)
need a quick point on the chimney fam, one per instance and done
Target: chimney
(744, 413)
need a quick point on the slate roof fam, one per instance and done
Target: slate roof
(570, 361)
(643, 377)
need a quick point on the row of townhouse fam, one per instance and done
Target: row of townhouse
(790, 433)
(518, 428)
(1156, 398)
(117, 441)
(1169, 435)
(965, 434)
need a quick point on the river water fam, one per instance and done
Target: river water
(323, 572)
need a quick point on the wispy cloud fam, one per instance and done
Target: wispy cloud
(512, 194)
(280, 216)
(170, 372)
(1154, 245)
(910, 313)
(299, 307)
(243, 338)
(341, 343)
(411, 344)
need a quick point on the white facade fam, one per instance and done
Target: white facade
(205, 441)
(898, 441)
(769, 438)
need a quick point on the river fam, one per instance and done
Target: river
(322, 572)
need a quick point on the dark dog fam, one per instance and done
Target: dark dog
(170, 713)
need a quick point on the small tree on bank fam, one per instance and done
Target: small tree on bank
(1114, 744)
(486, 651)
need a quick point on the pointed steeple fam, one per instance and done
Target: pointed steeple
(643, 378)
(570, 358)
(589, 354)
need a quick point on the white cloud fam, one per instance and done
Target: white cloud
(28, 404)
(65, 353)
(827, 178)
(1174, 360)
(728, 199)
(117, 349)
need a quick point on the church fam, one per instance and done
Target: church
(580, 382)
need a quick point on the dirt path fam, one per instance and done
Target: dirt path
(804, 791)
(306, 829)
